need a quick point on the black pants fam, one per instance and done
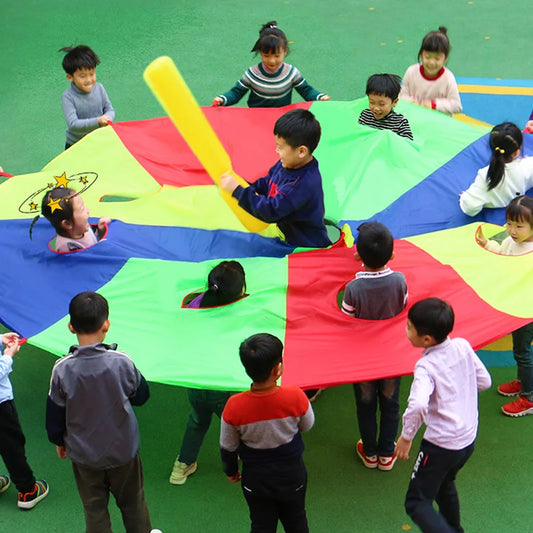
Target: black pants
(433, 479)
(126, 483)
(276, 491)
(367, 396)
(12, 442)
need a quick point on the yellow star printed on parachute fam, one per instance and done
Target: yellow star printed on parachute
(33, 206)
(61, 181)
(54, 204)
(84, 179)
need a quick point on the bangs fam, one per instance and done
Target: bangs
(436, 42)
(271, 44)
(516, 212)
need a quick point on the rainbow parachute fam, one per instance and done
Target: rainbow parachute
(173, 226)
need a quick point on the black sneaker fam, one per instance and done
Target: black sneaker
(29, 500)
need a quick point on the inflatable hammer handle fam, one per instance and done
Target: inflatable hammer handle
(167, 84)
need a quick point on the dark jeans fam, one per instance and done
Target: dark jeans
(126, 483)
(523, 355)
(367, 395)
(433, 479)
(12, 448)
(276, 491)
(203, 403)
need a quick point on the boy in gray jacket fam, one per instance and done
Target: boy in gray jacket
(89, 417)
(85, 103)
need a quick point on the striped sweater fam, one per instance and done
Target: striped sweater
(270, 90)
(393, 121)
(264, 427)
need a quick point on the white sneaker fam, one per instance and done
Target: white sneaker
(181, 472)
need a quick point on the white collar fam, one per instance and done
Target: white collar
(379, 274)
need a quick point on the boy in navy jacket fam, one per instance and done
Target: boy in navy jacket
(291, 195)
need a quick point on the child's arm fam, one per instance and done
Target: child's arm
(229, 450)
(309, 94)
(480, 237)
(142, 393)
(229, 183)
(451, 103)
(233, 95)
(474, 198)
(347, 309)
(12, 346)
(305, 90)
(61, 452)
(56, 419)
(404, 129)
(402, 448)
(405, 91)
(75, 124)
(8, 338)
(109, 112)
(308, 419)
(488, 244)
(287, 199)
(349, 304)
(417, 407)
(103, 222)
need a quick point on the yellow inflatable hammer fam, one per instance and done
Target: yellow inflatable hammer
(170, 89)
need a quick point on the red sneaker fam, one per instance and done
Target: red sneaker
(369, 462)
(512, 388)
(519, 407)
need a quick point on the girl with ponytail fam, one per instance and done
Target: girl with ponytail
(507, 175)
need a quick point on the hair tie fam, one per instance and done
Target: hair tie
(498, 149)
(215, 286)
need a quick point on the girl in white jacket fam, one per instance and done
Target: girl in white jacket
(506, 177)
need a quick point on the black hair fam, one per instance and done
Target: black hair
(520, 210)
(88, 311)
(225, 284)
(271, 39)
(436, 41)
(374, 244)
(259, 354)
(56, 212)
(384, 85)
(432, 316)
(504, 140)
(299, 127)
(78, 57)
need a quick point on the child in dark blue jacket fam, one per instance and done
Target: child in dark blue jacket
(291, 195)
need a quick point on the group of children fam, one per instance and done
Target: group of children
(270, 83)
(262, 426)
